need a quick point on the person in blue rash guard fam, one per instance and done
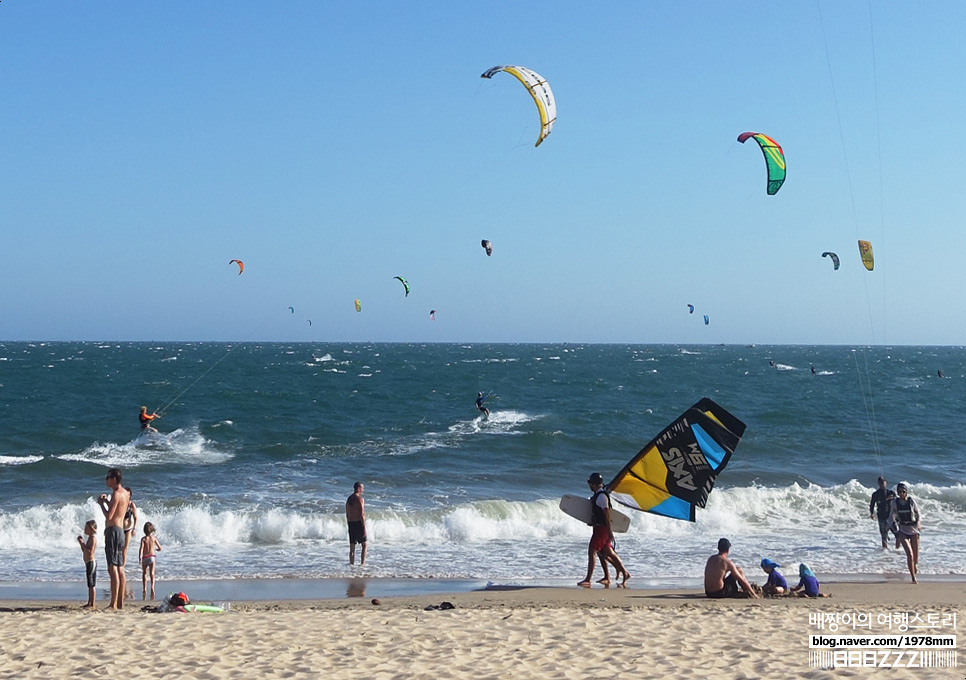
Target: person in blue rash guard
(808, 582)
(776, 583)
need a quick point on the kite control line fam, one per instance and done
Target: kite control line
(197, 380)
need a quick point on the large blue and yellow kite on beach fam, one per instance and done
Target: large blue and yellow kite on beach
(674, 473)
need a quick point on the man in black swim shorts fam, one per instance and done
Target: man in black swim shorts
(723, 578)
(355, 515)
(114, 508)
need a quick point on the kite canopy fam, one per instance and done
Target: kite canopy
(774, 159)
(706, 320)
(540, 91)
(487, 246)
(865, 250)
(358, 305)
(674, 473)
(241, 265)
(404, 283)
(432, 314)
(690, 309)
(835, 259)
(292, 309)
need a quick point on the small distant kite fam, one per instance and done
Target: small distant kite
(241, 265)
(292, 309)
(690, 309)
(706, 320)
(835, 259)
(310, 321)
(865, 250)
(774, 159)
(487, 246)
(432, 314)
(358, 305)
(540, 91)
(404, 283)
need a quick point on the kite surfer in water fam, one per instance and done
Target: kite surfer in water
(479, 405)
(146, 419)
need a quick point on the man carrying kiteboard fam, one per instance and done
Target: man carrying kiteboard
(602, 541)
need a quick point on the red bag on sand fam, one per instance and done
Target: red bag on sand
(179, 600)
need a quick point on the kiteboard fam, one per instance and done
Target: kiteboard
(152, 440)
(203, 608)
(581, 508)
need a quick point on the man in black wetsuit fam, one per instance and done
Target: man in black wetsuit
(880, 507)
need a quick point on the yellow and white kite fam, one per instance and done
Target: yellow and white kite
(539, 89)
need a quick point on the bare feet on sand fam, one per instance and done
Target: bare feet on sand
(584, 584)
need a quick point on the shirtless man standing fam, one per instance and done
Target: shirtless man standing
(355, 515)
(114, 509)
(723, 578)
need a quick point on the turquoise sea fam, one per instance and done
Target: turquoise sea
(263, 442)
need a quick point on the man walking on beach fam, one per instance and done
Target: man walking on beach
(114, 509)
(723, 578)
(880, 507)
(602, 541)
(355, 515)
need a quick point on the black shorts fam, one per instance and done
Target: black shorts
(91, 568)
(114, 546)
(357, 532)
(730, 588)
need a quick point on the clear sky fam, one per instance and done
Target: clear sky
(334, 145)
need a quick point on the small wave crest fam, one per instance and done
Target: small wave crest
(20, 460)
(182, 446)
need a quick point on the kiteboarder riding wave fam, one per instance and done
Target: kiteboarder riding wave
(479, 405)
(146, 419)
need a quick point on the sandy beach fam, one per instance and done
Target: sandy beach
(495, 633)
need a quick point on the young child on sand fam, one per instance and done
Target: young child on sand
(776, 584)
(808, 582)
(149, 544)
(87, 549)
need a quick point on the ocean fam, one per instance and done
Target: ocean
(262, 443)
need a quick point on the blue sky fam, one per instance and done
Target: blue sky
(332, 146)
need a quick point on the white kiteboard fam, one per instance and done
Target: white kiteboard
(581, 508)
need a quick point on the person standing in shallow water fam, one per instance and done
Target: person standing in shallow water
(905, 513)
(881, 507)
(114, 509)
(355, 515)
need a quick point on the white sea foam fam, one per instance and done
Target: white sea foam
(20, 460)
(182, 446)
(829, 528)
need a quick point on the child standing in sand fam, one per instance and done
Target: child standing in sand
(149, 544)
(87, 549)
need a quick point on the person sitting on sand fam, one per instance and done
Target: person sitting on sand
(723, 578)
(905, 514)
(601, 541)
(146, 419)
(776, 584)
(808, 585)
